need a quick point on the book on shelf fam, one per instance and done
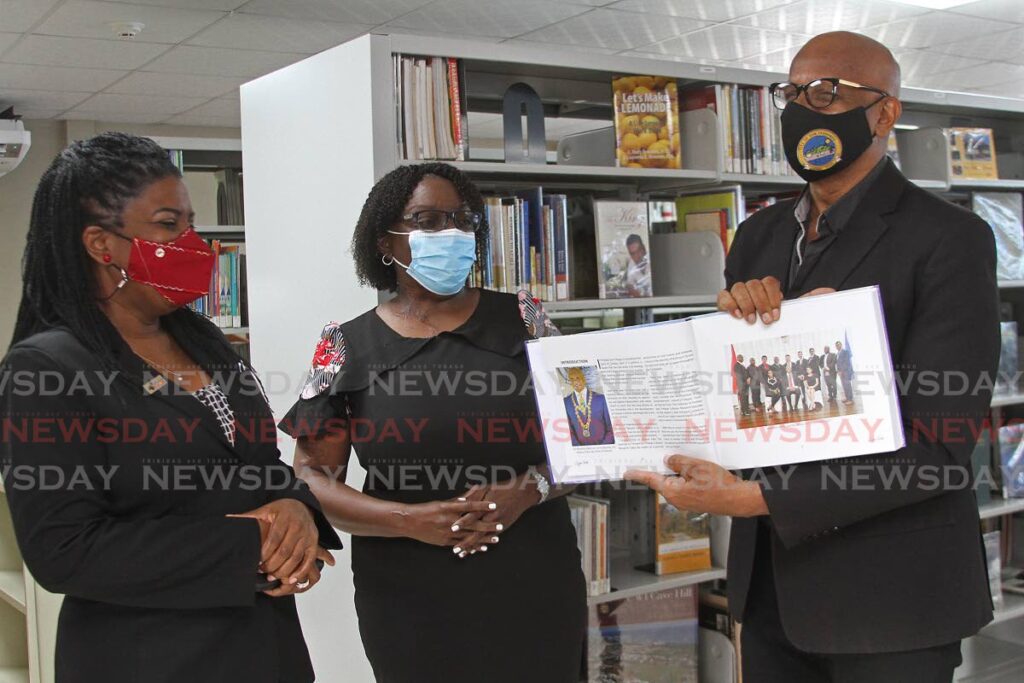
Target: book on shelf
(623, 234)
(720, 211)
(590, 518)
(1011, 460)
(972, 153)
(230, 207)
(749, 125)
(650, 637)
(682, 539)
(981, 465)
(527, 245)
(720, 651)
(1009, 367)
(223, 303)
(1004, 212)
(177, 157)
(647, 131)
(626, 398)
(892, 148)
(994, 559)
(430, 108)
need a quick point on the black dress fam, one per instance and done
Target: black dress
(159, 585)
(428, 418)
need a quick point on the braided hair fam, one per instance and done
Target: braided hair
(89, 183)
(384, 207)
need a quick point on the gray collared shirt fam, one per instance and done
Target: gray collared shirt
(807, 252)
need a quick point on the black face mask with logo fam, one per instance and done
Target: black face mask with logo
(818, 144)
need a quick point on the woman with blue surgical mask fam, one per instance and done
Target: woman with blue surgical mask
(464, 556)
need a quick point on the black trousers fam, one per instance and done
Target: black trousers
(769, 657)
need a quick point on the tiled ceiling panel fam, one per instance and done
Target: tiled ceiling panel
(615, 30)
(61, 58)
(88, 19)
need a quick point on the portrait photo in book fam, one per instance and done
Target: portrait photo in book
(586, 409)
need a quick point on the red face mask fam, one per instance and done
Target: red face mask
(180, 269)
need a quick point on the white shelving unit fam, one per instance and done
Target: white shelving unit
(332, 125)
(28, 614)
(628, 582)
(998, 507)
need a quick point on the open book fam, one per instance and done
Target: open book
(817, 384)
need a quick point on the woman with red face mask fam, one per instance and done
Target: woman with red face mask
(140, 479)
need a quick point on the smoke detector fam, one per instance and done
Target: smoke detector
(127, 30)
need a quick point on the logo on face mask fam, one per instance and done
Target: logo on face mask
(819, 150)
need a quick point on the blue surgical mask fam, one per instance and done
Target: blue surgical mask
(441, 260)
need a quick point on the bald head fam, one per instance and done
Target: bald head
(849, 56)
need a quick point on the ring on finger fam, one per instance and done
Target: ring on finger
(302, 585)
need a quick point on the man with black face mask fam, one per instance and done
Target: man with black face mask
(838, 570)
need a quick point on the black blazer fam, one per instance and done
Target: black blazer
(886, 569)
(159, 584)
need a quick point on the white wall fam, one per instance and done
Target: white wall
(18, 187)
(308, 161)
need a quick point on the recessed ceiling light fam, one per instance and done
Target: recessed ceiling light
(934, 4)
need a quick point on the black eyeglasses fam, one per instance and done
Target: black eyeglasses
(820, 93)
(433, 220)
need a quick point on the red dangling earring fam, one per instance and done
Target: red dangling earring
(106, 258)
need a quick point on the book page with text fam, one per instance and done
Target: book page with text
(614, 400)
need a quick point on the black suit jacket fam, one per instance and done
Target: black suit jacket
(890, 568)
(159, 583)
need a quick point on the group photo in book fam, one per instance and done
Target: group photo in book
(792, 378)
(585, 407)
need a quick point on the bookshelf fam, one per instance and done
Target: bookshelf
(331, 124)
(212, 171)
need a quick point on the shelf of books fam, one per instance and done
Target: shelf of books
(635, 209)
(212, 171)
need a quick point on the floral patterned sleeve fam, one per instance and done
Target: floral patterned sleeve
(536, 319)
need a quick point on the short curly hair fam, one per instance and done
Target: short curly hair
(383, 209)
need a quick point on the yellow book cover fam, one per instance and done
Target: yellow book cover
(972, 153)
(683, 539)
(646, 122)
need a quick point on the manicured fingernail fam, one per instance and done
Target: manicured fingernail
(494, 539)
(456, 550)
(462, 500)
(776, 313)
(455, 527)
(462, 554)
(271, 577)
(737, 313)
(293, 580)
(767, 317)
(483, 549)
(492, 506)
(472, 552)
(499, 527)
(751, 318)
